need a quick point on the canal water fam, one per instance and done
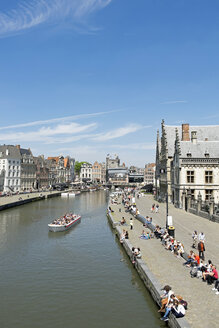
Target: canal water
(78, 278)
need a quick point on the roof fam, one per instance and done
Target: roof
(66, 161)
(198, 150)
(24, 151)
(211, 132)
(13, 152)
(54, 159)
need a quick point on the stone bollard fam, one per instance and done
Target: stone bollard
(199, 202)
(211, 206)
(184, 199)
(189, 199)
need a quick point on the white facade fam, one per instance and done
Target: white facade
(10, 169)
(86, 172)
(187, 160)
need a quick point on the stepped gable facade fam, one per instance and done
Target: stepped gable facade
(187, 159)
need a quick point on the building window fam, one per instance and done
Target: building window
(190, 177)
(208, 176)
(208, 194)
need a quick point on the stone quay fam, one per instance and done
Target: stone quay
(165, 268)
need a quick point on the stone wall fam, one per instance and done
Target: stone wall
(147, 277)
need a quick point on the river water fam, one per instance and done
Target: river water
(78, 278)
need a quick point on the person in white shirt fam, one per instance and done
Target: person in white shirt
(201, 237)
(178, 310)
(165, 298)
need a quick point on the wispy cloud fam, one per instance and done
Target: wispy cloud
(55, 120)
(120, 132)
(135, 146)
(46, 134)
(30, 13)
(172, 102)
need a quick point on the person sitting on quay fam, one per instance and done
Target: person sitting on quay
(157, 232)
(216, 287)
(122, 237)
(136, 254)
(131, 224)
(165, 297)
(190, 260)
(212, 276)
(123, 221)
(180, 250)
(110, 210)
(145, 235)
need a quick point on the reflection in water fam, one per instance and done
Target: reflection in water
(74, 278)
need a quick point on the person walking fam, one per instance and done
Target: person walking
(131, 224)
(201, 249)
(201, 237)
(195, 239)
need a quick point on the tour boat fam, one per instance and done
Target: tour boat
(55, 227)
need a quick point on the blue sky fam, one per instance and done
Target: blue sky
(92, 77)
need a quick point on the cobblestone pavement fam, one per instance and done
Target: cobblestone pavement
(202, 301)
(185, 223)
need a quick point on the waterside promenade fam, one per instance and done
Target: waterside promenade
(20, 199)
(167, 269)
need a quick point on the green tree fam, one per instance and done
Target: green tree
(78, 166)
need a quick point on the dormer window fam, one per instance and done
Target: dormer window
(189, 154)
(206, 154)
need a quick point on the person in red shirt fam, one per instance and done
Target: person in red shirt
(211, 276)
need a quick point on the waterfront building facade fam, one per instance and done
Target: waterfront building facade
(60, 169)
(116, 174)
(149, 173)
(42, 173)
(99, 173)
(28, 169)
(135, 174)
(187, 160)
(10, 169)
(86, 172)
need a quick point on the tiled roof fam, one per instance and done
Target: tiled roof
(13, 152)
(211, 132)
(200, 149)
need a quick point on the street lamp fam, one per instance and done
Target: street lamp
(167, 210)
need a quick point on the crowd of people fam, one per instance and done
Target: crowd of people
(169, 242)
(65, 219)
(172, 303)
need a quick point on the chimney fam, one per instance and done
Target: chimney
(185, 132)
(206, 139)
(194, 137)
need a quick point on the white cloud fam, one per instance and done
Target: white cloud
(45, 134)
(135, 146)
(171, 102)
(120, 132)
(56, 120)
(30, 13)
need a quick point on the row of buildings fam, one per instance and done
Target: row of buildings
(187, 161)
(115, 173)
(20, 170)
